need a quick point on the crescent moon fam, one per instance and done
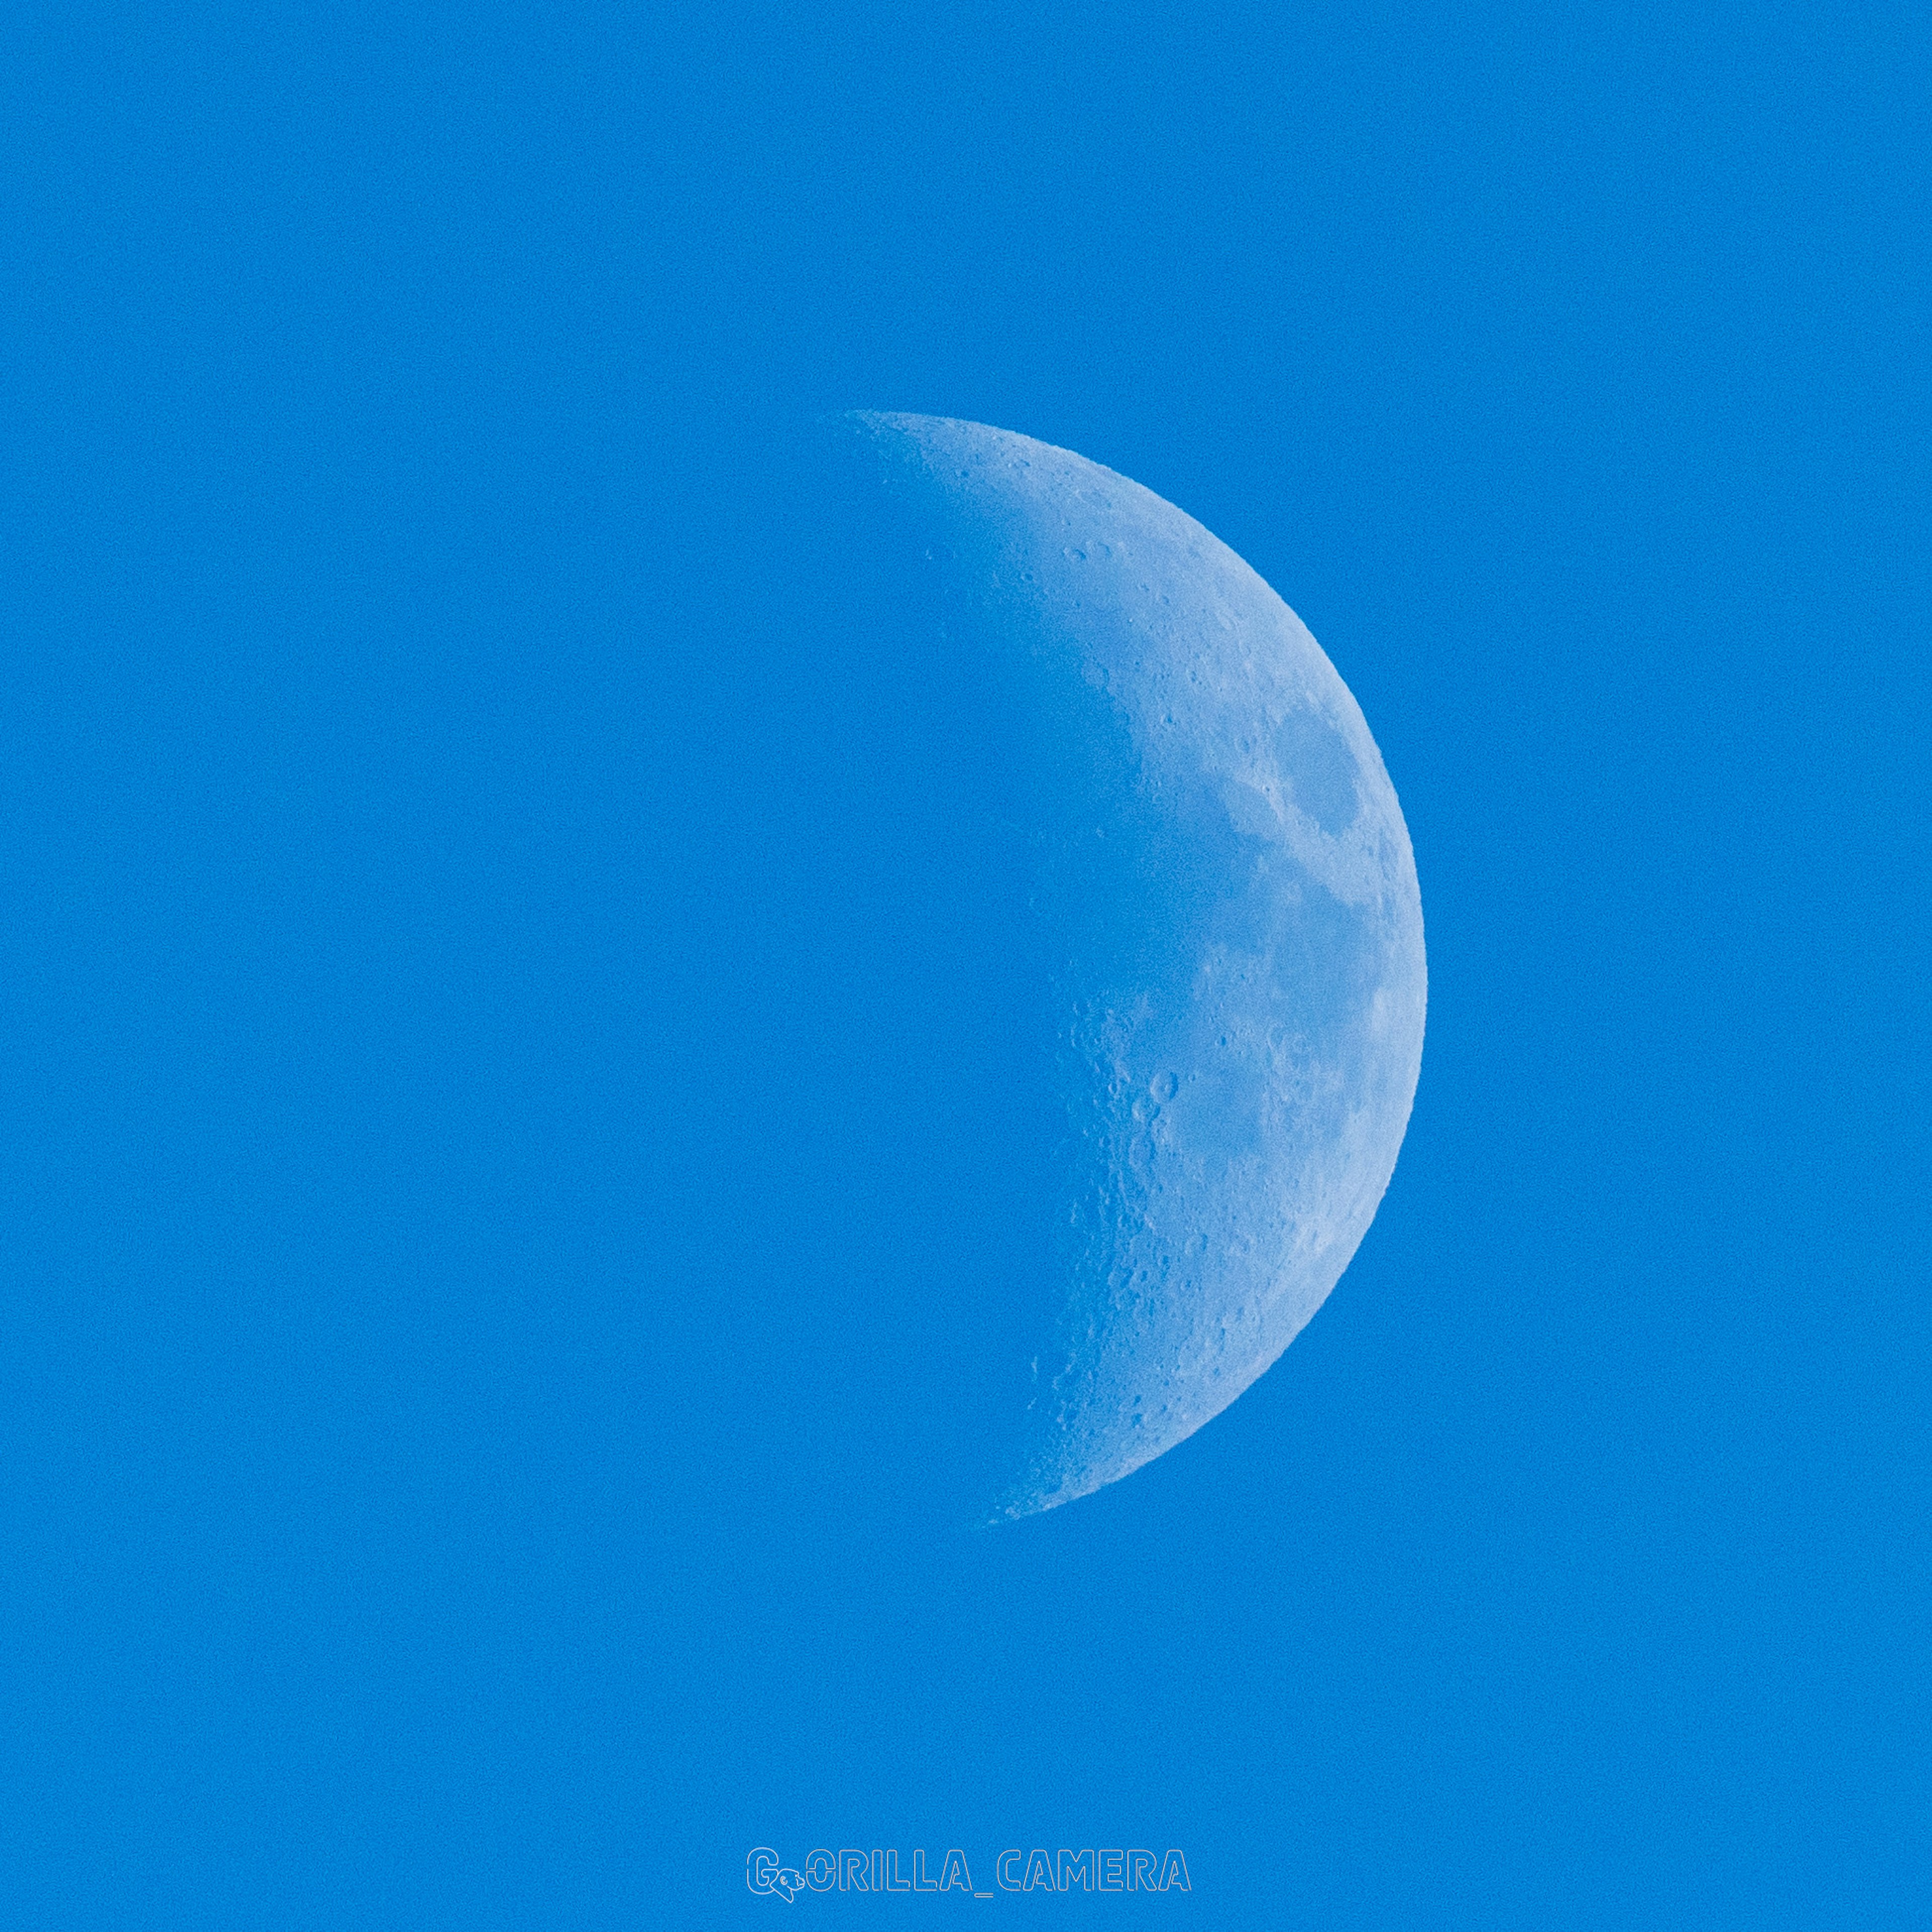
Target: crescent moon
(1222, 879)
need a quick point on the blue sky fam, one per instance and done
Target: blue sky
(493, 1144)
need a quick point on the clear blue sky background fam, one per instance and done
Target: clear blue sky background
(460, 1121)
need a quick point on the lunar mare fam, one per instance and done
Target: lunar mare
(1222, 889)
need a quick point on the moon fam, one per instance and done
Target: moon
(1222, 890)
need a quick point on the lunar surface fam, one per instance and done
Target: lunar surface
(1223, 892)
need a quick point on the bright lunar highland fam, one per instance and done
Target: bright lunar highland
(1223, 890)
